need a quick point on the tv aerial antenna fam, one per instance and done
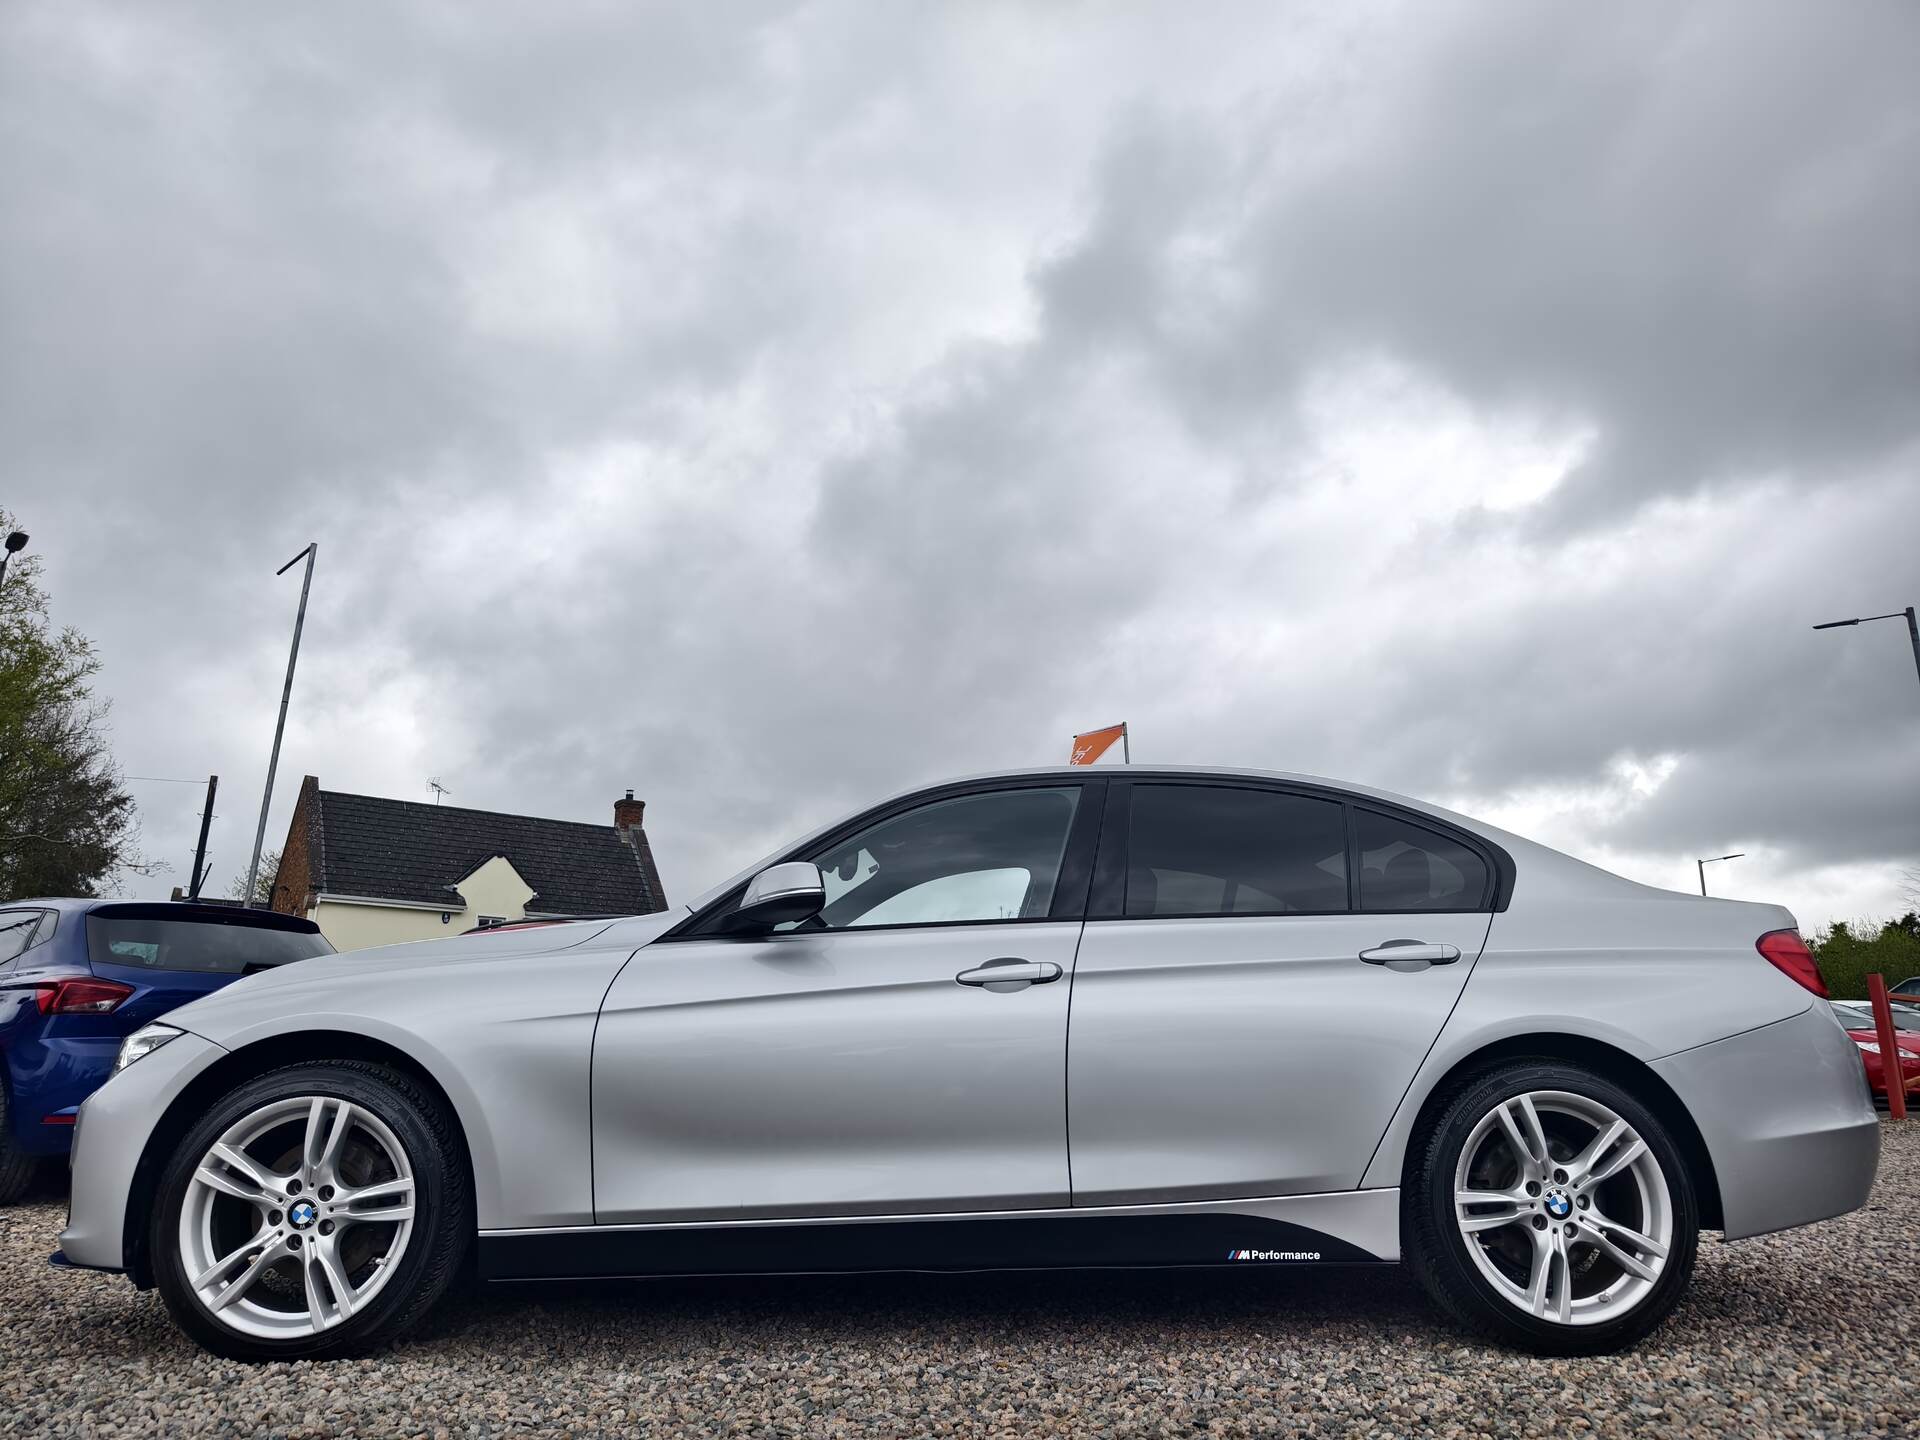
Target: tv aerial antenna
(433, 784)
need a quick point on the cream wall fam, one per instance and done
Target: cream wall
(494, 889)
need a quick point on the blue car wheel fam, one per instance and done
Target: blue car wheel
(17, 1167)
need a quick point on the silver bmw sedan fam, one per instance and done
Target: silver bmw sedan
(1073, 1017)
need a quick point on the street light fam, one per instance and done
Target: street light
(16, 542)
(1913, 628)
(1714, 860)
(286, 693)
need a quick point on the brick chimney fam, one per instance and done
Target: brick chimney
(626, 824)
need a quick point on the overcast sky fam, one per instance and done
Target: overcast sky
(768, 407)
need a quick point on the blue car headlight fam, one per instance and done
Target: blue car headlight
(144, 1042)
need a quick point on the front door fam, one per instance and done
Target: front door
(860, 1062)
(1272, 970)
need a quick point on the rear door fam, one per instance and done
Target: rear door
(1242, 1024)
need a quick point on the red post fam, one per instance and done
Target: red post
(1890, 1065)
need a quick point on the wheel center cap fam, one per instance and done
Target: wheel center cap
(1558, 1205)
(301, 1214)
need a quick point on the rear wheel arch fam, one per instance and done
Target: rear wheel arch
(1623, 1069)
(249, 1061)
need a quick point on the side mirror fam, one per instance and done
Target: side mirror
(779, 893)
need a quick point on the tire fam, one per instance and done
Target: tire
(1482, 1268)
(390, 1231)
(17, 1168)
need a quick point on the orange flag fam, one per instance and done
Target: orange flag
(1091, 746)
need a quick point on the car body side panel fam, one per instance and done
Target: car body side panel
(1787, 1118)
(832, 1073)
(1647, 973)
(1246, 1055)
(507, 1036)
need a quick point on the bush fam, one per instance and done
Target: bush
(1849, 953)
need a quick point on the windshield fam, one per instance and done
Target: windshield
(211, 947)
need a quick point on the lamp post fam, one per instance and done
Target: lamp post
(286, 693)
(16, 542)
(1913, 628)
(1713, 860)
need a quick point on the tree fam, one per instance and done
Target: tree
(66, 825)
(262, 896)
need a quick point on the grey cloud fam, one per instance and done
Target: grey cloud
(767, 410)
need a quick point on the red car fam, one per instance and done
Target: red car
(1856, 1017)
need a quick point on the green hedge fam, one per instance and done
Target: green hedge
(1849, 953)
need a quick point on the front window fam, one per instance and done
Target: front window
(958, 861)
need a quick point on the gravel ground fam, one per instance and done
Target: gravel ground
(1808, 1333)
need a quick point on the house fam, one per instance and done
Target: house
(372, 871)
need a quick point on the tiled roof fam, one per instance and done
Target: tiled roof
(405, 850)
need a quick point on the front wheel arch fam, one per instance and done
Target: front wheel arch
(236, 1068)
(1626, 1071)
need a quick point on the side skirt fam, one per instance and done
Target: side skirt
(1354, 1227)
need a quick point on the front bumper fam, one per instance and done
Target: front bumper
(1787, 1118)
(109, 1141)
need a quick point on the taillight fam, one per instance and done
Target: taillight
(1788, 954)
(80, 997)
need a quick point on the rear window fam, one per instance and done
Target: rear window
(209, 946)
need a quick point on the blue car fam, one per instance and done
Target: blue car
(78, 976)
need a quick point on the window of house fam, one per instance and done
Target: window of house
(1407, 867)
(1223, 850)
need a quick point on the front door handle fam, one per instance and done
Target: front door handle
(1410, 952)
(1010, 973)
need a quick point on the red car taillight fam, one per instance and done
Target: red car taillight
(1789, 955)
(80, 997)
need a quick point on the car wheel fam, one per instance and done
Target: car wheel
(1550, 1208)
(316, 1211)
(17, 1168)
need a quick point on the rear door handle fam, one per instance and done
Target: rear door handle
(1010, 973)
(1396, 952)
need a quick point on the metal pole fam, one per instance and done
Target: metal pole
(1913, 633)
(1126, 751)
(1891, 1070)
(1702, 866)
(200, 848)
(286, 693)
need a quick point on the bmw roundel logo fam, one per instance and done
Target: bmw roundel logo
(1558, 1205)
(301, 1214)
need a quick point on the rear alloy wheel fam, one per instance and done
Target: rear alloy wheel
(1552, 1210)
(315, 1212)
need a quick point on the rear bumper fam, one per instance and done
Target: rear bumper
(1787, 1119)
(110, 1139)
(53, 1076)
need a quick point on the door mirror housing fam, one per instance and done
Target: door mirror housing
(780, 893)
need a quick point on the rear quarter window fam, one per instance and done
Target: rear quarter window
(1406, 867)
(205, 947)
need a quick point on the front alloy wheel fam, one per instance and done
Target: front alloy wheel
(1552, 1209)
(296, 1216)
(314, 1212)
